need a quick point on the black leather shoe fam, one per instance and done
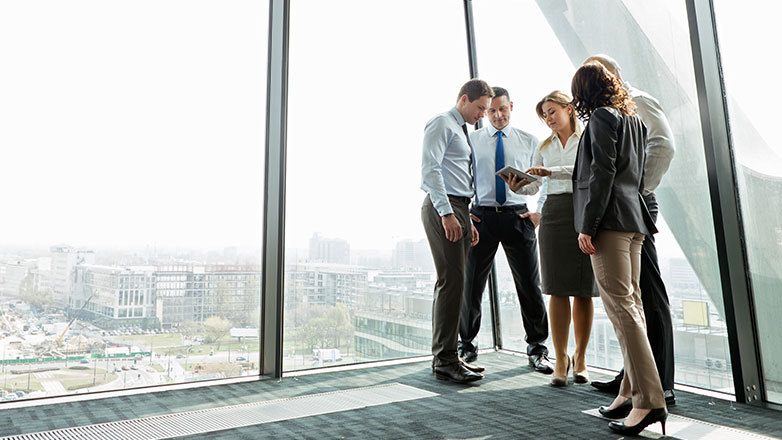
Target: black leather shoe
(670, 398)
(472, 367)
(540, 363)
(469, 356)
(654, 416)
(620, 412)
(456, 373)
(612, 386)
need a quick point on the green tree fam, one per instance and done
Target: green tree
(35, 298)
(216, 328)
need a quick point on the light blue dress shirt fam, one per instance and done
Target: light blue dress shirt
(445, 166)
(519, 148)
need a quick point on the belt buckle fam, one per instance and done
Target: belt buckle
(498, 209)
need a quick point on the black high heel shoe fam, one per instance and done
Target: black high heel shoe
(620, 412)
(654, 416)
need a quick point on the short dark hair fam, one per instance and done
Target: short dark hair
(499, 92)
(594, 86)
(475, 88)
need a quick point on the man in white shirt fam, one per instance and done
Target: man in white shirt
(501, 216)
(446, 174)
(657, 309)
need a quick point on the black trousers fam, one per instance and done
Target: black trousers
(449, 260)
(519, 242)
(657, 307)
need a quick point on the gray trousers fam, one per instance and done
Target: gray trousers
(449, 259)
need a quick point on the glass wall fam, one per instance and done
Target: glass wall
(750, 83)
(359, 274)
(535, 49)
(133, 157)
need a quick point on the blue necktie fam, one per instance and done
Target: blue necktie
(499, 163)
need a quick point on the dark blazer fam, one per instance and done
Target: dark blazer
(608, 175)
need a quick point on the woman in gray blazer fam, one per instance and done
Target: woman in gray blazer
(612, 220)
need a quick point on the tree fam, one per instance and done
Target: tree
(35, 298)
(216, 327)
(188, 329)
(327, 327)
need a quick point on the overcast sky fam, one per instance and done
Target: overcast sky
(142, 123)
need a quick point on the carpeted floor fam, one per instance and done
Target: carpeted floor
(512, 402)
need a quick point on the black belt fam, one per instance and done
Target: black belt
(460, 198)
(511, 208)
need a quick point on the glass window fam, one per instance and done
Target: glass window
(112, 108)
(534, 50)
(359, 274)
(750, 83)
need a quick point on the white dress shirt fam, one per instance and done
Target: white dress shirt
(659, 144)
(519, 146)
(445, 166)
(560, 161)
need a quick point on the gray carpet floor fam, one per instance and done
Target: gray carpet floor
(513, 402)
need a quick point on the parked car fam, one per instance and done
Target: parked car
(134, 367)
(84, 361)
(125, 368)
(180, 356)
(240, 358)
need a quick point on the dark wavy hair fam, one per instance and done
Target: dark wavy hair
(594, 86)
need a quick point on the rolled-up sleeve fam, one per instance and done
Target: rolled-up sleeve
(437, 137)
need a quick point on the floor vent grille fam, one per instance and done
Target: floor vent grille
(235, 416)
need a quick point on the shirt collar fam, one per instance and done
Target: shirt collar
(458, 116)
(554, 137)
(493, 131)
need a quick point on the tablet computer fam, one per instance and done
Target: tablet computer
(520, 174)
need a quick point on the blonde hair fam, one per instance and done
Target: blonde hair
(563, 100)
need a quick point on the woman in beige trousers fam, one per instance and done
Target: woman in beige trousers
(612, 220)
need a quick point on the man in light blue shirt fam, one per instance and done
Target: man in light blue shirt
(501, 216)
(446, 170)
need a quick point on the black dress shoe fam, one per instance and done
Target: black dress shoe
(457, 373)
(620, 412)
(654, 416)
(611, 386)
(469, 356)
(670, 398)
(540, 363)
(472, 367)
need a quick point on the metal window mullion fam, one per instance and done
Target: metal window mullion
(274, 190)
(472, 59)
(723, 187)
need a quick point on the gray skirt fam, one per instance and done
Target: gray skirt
(564, 269)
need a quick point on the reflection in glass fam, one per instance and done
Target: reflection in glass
(653, 59)
(758, 154)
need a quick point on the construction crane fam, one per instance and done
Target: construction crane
(62, 335)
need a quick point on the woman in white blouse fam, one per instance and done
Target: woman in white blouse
(565, 270)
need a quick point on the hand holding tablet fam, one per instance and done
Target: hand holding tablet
(509, 170)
